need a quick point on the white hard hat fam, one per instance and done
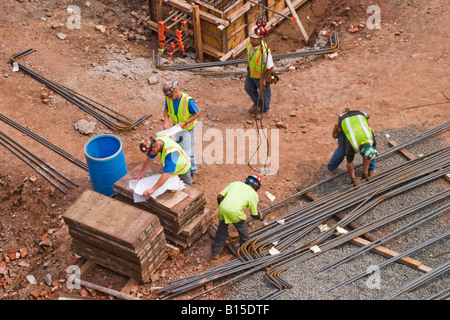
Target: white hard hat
(252, 32)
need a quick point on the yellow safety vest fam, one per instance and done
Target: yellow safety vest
(357, 130)
(255, 63)
(183, 111)
(183, 163)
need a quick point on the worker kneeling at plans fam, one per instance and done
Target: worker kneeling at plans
(173, 158)
(233, 200)
(354, 136)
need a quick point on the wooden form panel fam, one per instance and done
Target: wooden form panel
(225, 31)
(276, 5)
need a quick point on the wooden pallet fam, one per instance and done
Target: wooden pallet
(116, 235)
(182, 213)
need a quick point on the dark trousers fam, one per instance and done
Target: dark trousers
(222, 234)
(260, 99)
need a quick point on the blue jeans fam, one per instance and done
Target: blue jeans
(185, 139)
(253, 90)
(339, 155)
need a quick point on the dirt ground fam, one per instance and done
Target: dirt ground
(389, 72)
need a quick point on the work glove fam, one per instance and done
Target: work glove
(354, 182)
(262, 216)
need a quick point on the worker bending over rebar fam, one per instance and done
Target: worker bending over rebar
(233, 200)
(354, 136)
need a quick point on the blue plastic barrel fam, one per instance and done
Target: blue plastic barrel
(106, 163)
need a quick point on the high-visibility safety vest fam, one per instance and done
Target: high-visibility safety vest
(255, 63)
(183, 111)
(183, 163)
(357, 130)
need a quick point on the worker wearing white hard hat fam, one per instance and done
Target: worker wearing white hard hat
(260, 67)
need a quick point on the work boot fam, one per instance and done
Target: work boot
(365, 176)
(215, 256)
(252, 109)
(329, 174)
(354, 182)
(259, 115)
(372, 173)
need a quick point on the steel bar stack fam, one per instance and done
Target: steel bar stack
(108, 117)
(182, 213)
(116, 235)
(46, 170)
(44, 142)
(445, 267)
(439, 271)
(259, 254)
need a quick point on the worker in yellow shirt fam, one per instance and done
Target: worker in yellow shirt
(233, 200)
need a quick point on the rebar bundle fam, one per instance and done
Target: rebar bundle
(108, 117)
(429, 276)
(269, 247)
(439, 129)
(46, 170)
(44, 142)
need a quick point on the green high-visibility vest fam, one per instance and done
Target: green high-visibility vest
(255, 63)
(183, 163)
(357, 130)
(183, 111)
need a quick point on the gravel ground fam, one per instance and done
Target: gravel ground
(308, 283)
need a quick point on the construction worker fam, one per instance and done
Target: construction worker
(233, 200)
(181, 109)
(174, 159)
(260, 67)
(354, 136)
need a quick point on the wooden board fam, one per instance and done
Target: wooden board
(169, 199)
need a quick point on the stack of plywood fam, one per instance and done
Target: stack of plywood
(116, 235)
(181, 213)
